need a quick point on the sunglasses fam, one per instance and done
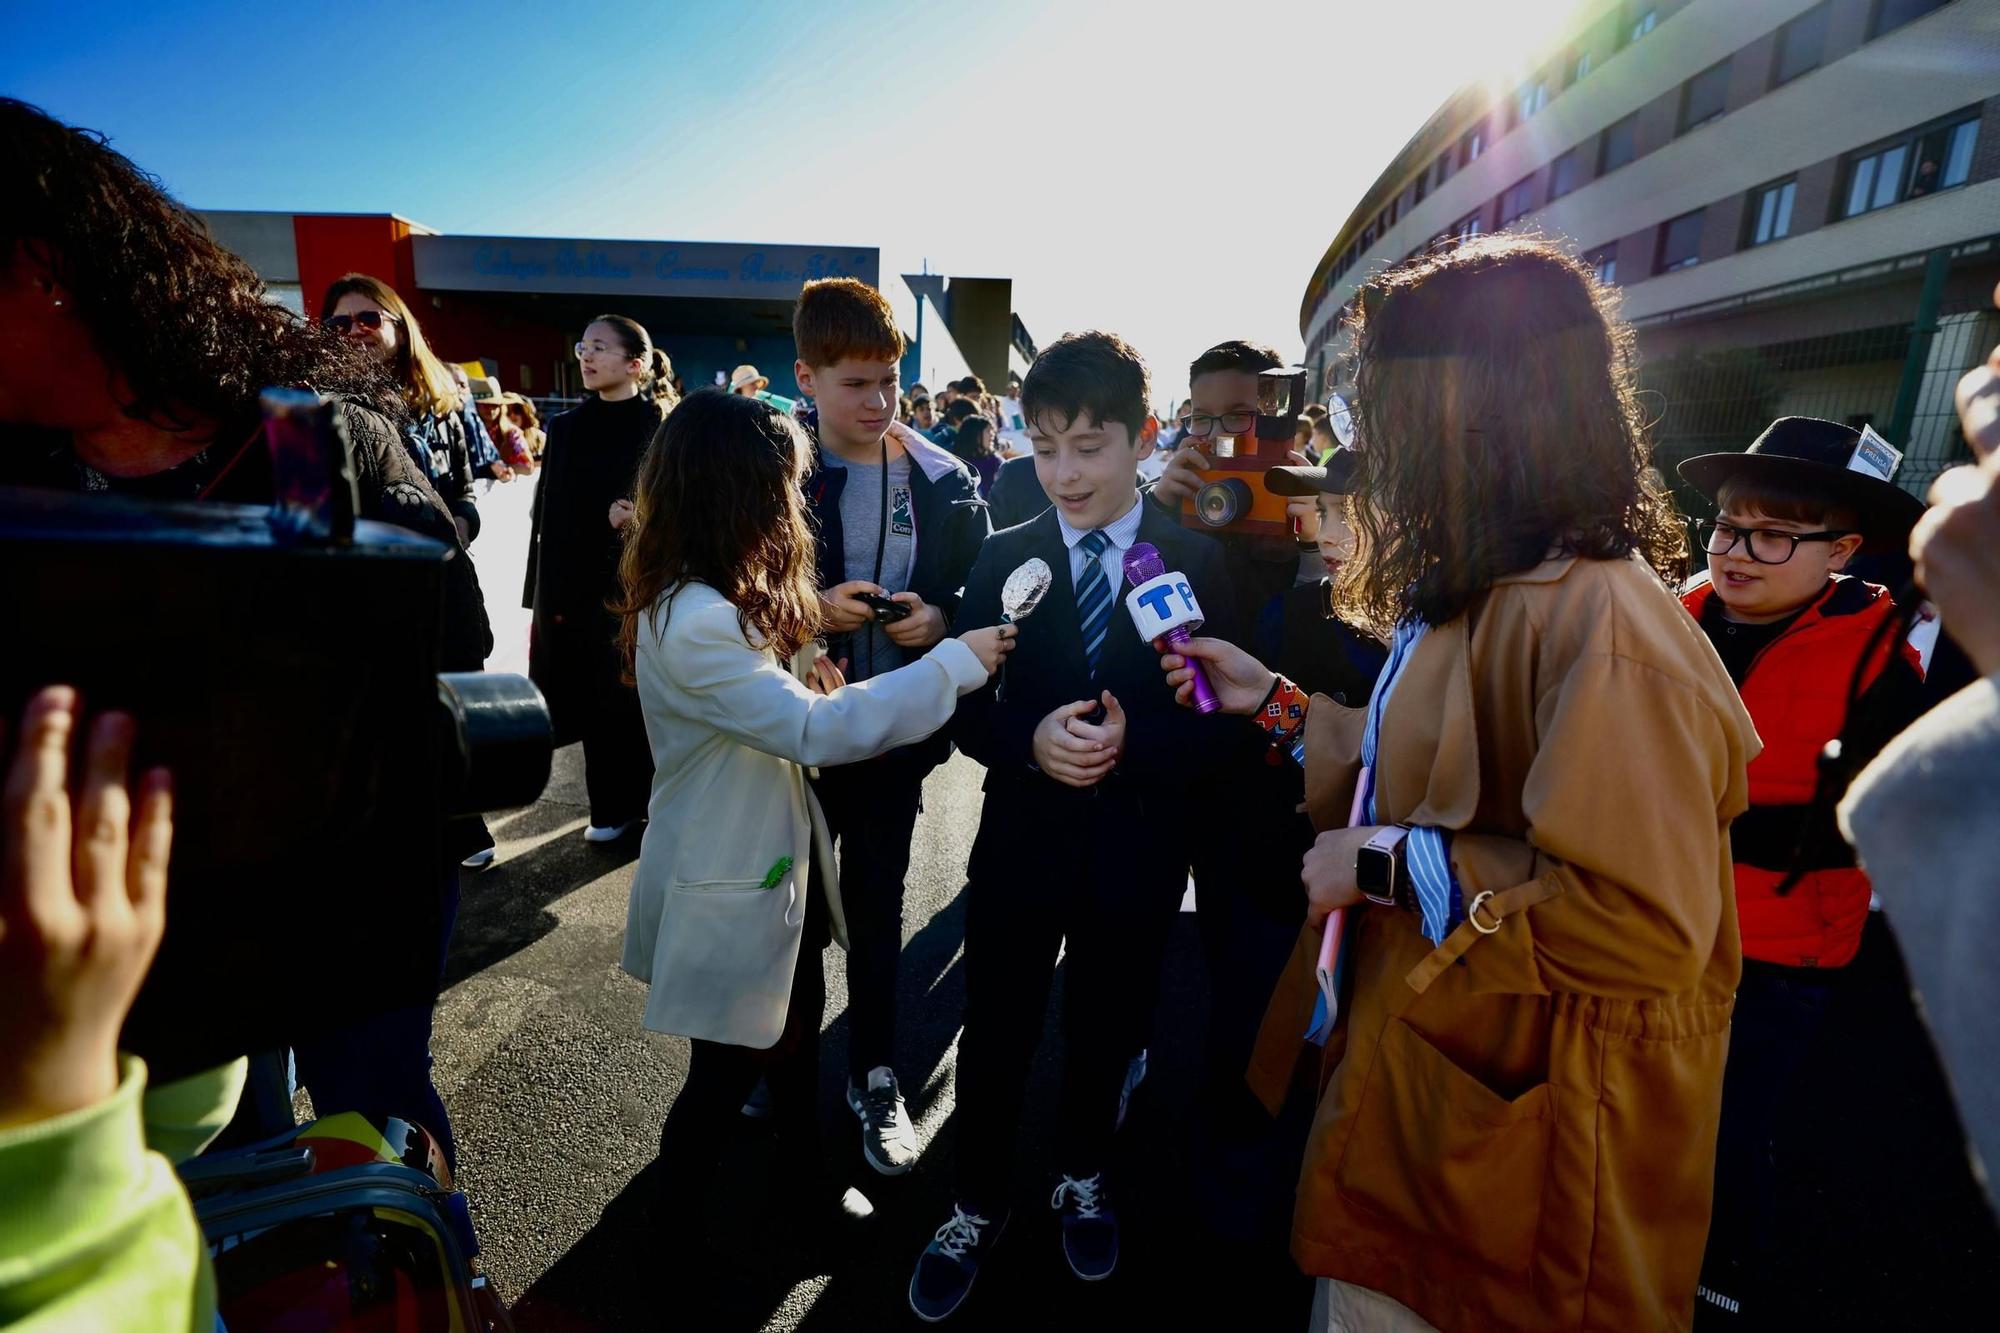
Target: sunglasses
(371, 320)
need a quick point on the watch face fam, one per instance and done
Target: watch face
(1374, 870)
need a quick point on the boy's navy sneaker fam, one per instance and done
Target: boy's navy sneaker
(1089, 1227)
(948, 1265)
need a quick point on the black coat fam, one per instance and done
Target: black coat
(1016, 495)
(1169, 749)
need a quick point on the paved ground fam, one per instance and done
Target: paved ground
(558, 1095)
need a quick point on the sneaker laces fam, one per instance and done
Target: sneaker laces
(960, 1234)
(879, 1105)
(1086, 1193)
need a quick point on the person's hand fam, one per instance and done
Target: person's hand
(1182, 477)
(1241, 683)
(991, 644)
(1110, 733)
(1074, 761)
(500, 471)
(82, 905)
(1979, 404)
(924, 627)
(621, 513)
(1956, 544)
(1328, 873)
(844, 614)
(825, 676)
(1303, 510)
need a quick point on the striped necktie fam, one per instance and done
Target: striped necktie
(1093, 598)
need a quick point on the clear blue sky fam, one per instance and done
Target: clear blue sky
(1103, 155)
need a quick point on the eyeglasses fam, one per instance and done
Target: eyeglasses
(599, 349)
(371, 320)
(1230, 423)
(1766, 546)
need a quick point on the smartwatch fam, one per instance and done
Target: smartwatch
(1378, 868)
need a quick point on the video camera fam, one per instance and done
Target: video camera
(1232, 494)
(283, 663)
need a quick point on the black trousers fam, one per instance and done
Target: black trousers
(576, 664)
(1108, 909)
(871, 809)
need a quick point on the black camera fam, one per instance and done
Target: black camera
(283, 663)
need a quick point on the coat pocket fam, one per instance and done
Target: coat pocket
(1439, 1153)
(724, 967)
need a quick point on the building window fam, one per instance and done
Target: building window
(1801, 46)
(1468, 227)
(1705, 96)
(1645, 18)
(1679, 243)
(1770, 212)
(1579, 66)
(1565, 174)
(1472, 145)
(1619, 145)
(1517, 200)
(1532, 98)
(1890, 15)
(1931, 159)
(1603, 261)
(1423, 188)
(1444, 165)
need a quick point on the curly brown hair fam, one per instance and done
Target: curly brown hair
(1498, 423)
(719, 502)
(186, 323)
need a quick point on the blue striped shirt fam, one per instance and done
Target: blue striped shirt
(1427, 851)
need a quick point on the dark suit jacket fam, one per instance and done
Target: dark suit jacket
(1016, 494)
(1169, 750)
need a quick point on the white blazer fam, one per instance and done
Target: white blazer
(731, 732)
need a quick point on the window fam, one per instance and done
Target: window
(1892, 14)
(1565, 174)
(1801, 45)
(1928, 160)
(1444, 165)
(1704, 96)
(1423, 187)
(1769, 217)
(1517, 200)
(1467, 228)
(1645, 18)
(1532, 98)
(1579, 66)
(1472, 145)
(1603, 262)
(1367, 236)
(1619, 145)
(1679, 243)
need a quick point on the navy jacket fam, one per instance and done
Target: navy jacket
(1017, 494)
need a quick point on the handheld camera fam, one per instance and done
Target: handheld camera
(1233, 495)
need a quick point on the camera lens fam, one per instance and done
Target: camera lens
(1221, 503)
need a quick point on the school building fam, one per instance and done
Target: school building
(1799, 199)
(519, 303)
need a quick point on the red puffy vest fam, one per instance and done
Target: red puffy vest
(1796, 691)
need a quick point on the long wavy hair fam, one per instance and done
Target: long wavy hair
(185, 323)
(719, 502)
(427, 386)
(1498, 424)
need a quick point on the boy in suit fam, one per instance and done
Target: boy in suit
(1079, 840)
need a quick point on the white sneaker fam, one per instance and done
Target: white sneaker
(480, 859)
(596, 834)
(1135, 1074)
(887, 1140)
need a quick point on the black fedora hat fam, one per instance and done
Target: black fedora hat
(1336, 478)
(1851, 468)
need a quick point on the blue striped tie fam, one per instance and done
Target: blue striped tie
(1093, 598)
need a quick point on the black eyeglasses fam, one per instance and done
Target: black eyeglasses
(372, 320)
(1202, 425)
(1766, 546)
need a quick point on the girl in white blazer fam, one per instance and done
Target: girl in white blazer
(734, 881)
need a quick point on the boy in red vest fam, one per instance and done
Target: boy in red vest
(1792, 629)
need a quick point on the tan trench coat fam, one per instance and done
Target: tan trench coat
(1517, 1130)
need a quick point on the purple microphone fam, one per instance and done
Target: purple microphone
(1163, 607)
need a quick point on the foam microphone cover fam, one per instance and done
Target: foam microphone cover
(1142, 562)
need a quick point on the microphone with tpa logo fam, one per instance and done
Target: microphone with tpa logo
(1163, 607)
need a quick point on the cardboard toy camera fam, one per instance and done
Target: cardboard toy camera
(283, 663)
(1232, 495)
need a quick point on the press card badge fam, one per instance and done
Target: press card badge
(1019, 595)
(1875, 457)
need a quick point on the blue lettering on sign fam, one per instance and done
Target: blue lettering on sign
(670, 269)
(1187, 593)
(1155, 600)
(502, 264)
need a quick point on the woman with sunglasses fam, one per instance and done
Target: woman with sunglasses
(582, 502)
(373, 319)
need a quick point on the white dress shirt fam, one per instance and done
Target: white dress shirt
(1122, 531)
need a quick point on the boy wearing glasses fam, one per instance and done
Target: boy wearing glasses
(1792, 629)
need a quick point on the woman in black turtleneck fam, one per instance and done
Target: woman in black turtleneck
(583, 499)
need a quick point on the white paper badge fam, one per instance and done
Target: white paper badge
(1875, 457)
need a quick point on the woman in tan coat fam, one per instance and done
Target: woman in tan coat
(1517, 1123)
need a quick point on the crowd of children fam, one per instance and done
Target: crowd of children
(1533, 837)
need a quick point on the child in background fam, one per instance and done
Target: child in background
(1299, 632)
(1791, 629)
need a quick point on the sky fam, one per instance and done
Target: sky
(1171, 172)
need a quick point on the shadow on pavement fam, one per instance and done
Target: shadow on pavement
(503, 910)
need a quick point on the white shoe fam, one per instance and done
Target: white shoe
(480, 859)
(887, 1141)
(596, 834)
